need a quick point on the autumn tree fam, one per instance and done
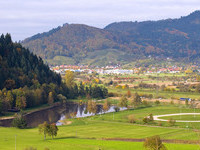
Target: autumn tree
(198, 78)
(92, 107)
(136, 100)
(197, 89)
(62, 98)
(50, 98)
(128, 93)
(154, 143)
(44, 129)
(1, 107)
(123, 102)
(53, 129)
(81, 90)
(21, 101)
(69, 78)
(9, 84)
(19, 121)
(106, 105)
(151, 117)
(10, 99)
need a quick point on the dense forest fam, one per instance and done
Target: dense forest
(175, 38)
(120, 43)
(25, 81)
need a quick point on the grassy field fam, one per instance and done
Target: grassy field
(170, 81)
(88, 133)
(88, 136)
(140, 113)
(164, 94)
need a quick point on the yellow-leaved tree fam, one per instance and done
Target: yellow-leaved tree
(69, 78)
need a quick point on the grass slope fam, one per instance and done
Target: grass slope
(67, 138)
(87, 133)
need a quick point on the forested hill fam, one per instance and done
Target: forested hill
(19, 67)
(171, 38)
(121, 42)
(25, 81)
(73, 41)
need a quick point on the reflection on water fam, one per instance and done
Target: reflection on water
(80, 111)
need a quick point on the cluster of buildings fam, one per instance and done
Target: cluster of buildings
(116, 69)
(170, 69)
(103, 70)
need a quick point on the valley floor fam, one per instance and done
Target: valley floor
(93, 133)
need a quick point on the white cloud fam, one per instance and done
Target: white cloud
(23, 18)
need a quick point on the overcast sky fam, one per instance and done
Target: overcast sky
(24, 18)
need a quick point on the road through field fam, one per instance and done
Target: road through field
(156, 117)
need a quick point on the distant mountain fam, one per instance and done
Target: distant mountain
(121, 43)
(172, 37)
(73, 42)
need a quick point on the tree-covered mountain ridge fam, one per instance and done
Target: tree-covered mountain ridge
(120, 43)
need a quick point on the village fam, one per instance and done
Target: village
(120, 70)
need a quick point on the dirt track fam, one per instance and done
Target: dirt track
(163, 140)
(157, 117)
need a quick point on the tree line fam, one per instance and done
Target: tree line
(25, 81)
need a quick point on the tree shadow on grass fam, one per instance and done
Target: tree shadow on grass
(68, 137)
(73, 137)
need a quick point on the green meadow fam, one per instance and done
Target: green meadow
(91, 133)
(164, 94)
(89, 136)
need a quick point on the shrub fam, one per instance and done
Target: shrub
(129, 93)
(148, 119)
(19, 121)
(160, 123)
(173, 97)
(118, 87)
(186, 102)
(85, 111)
(149, 96)
(172, 102)
(136, 101)
(73, 114)
(145, 120)
(88, 96)
(171, 122)
(154, 143)
(111, 94)
(151, 117)
(131, 119)
(157, 102)
(145, 103)
(92, 107)
(123, 102)
(106, 105)
(116, 109)
(61, 98)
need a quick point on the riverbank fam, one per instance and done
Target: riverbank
(33, 118)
